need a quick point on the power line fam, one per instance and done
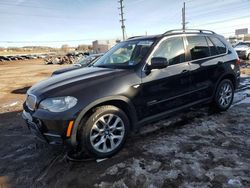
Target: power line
(210, 5)
(38, 15)
(225, 20)
(55, 41)
(27, 6)
(216, 11)
(233, 26)
(206, 9)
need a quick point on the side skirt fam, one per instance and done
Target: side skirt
(171, 112)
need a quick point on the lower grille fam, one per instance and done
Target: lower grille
(35, 129)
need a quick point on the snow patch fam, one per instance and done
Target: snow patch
(239, 97)
(234, 182)
(117, 184)
(244, 75)
(146, 173)
(245, 101)
(100, 160)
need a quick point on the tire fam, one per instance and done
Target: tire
(105, 131)
(248, 56)
(224, 95)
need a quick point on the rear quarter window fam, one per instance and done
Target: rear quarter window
(221, 47)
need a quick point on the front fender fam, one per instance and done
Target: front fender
(82, 113)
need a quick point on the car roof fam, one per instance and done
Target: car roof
(174, 32)
(245, 42)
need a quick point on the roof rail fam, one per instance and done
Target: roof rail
(189, 30)
(133, 37)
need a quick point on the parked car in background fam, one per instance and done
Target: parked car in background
(83, 62)
(243, 50)
(4, 58)
(138, 81)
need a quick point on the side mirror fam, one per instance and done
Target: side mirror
(158, 63)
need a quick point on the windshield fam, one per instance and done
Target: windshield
(125, 54)
(87, 60)
(243, 44)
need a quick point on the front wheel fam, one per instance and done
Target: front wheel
(105, 131)
(224, 95)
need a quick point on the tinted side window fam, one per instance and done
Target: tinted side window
(219, 45)
(172, 49)
(198, 47)
(212, 47)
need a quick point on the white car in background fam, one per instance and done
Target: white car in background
(243, 50)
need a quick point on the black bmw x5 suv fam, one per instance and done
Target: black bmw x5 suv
(140, 80)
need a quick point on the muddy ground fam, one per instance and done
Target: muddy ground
(198, 148)
(17, 76)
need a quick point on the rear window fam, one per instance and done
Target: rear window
(221, 48)
(198, 47)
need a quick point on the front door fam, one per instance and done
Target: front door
(165, 89)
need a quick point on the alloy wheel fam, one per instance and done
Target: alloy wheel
(107, 133)
(225, 95)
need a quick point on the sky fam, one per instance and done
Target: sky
(57, 22)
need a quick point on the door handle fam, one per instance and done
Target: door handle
(184, 71)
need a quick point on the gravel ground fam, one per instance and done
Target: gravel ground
(193, 149)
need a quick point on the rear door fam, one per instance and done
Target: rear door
(217, 67)
(203, 61)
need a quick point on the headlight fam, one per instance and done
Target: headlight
(58, 104)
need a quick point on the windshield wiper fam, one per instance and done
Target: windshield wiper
(103, 66)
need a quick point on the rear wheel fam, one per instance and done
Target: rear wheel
(105, 131)
(224, 95)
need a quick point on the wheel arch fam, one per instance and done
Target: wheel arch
(121, 102)
(230, 76)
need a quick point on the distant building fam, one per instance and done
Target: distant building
(240, 35)
(243, 31)
(101, 46)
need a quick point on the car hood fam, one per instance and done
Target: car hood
(73, 81)
(60, 71)
(241, 47)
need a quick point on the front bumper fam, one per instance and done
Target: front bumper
(40, 130)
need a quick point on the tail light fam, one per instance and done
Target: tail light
(238, 61)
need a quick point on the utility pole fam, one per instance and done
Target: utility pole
(122, 18)
(184, 17)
